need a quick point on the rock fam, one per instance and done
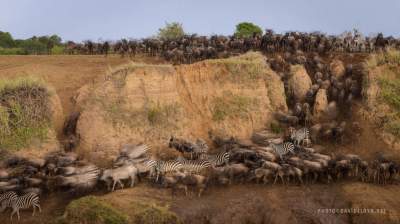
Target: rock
(321, 104)
(337, 68)
(299, 83)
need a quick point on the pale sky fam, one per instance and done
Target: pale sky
(114, 19)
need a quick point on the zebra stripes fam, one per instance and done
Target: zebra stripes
(8, 195)
(162, 167)
(219, 159)
(191, 166)
(22, 202)
(6, 198)
(283, 148)
(298, 136)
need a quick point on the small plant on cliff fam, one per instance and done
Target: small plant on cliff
(161, 114)
(276, 128)
(230, 105)
(24, 112)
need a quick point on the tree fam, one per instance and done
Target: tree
(6, 40)
(56, 40)
(247, 29)
(171, 31)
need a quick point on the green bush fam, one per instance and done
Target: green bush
(91, 210)
(24, 112)
(11, 51)
(247, 29)
(171, 31)
(57, 50)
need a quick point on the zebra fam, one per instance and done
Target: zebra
(282, 148)
(218, 159)
(5, 199)
(25, 201)
(192, 166)
(299, 136)
(161, 167)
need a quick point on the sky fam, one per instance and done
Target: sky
(80, 20)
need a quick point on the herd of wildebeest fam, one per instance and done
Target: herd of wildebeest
(290, 153)
(191, 48)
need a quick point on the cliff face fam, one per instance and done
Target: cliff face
(147, 103)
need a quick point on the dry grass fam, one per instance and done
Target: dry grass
(391, 58)
(24, 112)
(244, 68)
(153, 114)
(232, 105)
(147, 213)
(118, 74)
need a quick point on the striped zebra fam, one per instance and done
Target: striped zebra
(162, 167)
(300, 135)
(5, 199)
(23, 202)
(193, 166)
(218, 159)
(282, 148)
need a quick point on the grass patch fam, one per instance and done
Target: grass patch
(388, 64)
(390, 91)
(24, 112)
(390, 58)
(390, 95)
(119, 74)
(91, 210)
(232, 105)
(244, 68)
(154, 114)
(160, 114)
(146, 213)
(276, 128)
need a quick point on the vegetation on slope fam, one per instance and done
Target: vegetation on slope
(244, 68)
(95, 210)
(232, 105)
(387, 65)
(146, 213)
(24, 112)
(92, 210)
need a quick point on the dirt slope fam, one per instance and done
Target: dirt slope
(149, 103)
(66, 73)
